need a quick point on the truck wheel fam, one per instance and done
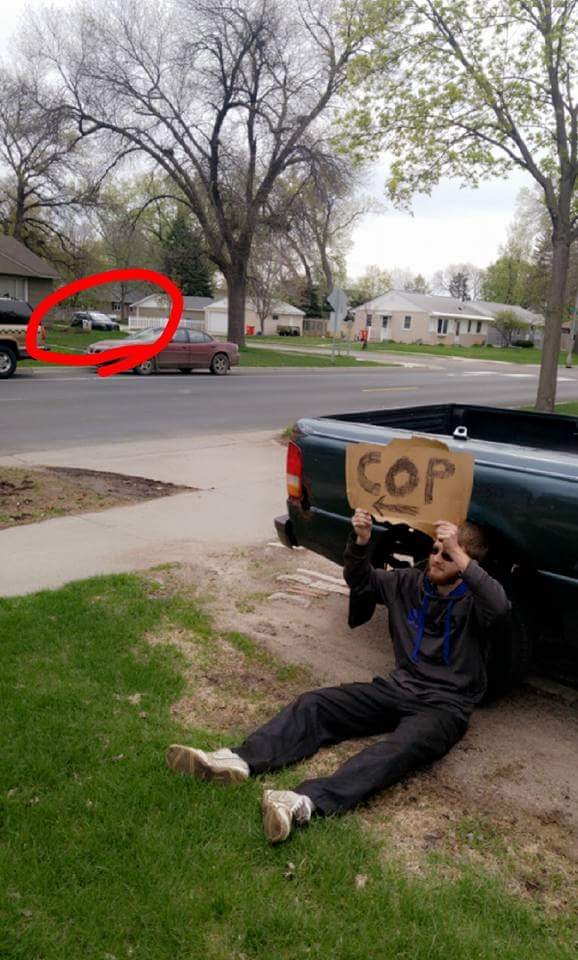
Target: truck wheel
(8, 362)
(511, 651)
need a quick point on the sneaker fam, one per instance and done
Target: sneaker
(223, 766)
(282, 809)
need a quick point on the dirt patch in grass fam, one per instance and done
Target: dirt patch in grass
(436, 832)
(28, 495)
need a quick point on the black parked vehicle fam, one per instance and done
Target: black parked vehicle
(14, 317)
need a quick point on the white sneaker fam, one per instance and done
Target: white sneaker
(282, 809)
(223, 766)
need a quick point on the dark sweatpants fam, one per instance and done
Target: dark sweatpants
(418, 734)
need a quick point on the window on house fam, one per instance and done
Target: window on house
(275, 316)
(442, 325)
(369, 319)
(469, 326)
(479, 326)
(384, 321)
(407, 323)
(458, 325)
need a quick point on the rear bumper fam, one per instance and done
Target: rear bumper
(285, 531)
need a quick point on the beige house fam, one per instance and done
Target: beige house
(24, 275)
(153, 311)
(421, 318)
(282, 315)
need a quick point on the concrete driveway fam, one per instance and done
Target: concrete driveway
(242, 487)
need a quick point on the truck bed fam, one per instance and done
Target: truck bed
(518, 427)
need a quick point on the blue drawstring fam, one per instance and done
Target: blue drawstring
(430, 593)
(421, 617)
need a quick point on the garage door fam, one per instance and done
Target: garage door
(216, 322)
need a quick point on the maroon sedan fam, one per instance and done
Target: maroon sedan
(188, 350)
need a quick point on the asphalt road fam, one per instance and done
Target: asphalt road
(55, 408)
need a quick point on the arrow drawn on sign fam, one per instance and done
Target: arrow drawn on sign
(383, 507)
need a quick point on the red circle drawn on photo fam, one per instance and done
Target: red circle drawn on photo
(117, 359)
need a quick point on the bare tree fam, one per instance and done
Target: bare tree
(224, 96)
(43, 177)
(463, 281)
(321, 217)
(269, 275)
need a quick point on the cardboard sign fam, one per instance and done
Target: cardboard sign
(416, 482)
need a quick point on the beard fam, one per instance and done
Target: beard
(441, 578)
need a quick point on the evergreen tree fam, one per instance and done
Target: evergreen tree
(184, 259)
(459, 287)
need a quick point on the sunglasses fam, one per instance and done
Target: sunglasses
(445, 556)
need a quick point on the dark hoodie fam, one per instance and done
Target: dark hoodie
(439, 641)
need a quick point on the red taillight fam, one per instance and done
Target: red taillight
(294, 470)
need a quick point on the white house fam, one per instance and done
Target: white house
(282, 315)
(154, 310)
(421, 318)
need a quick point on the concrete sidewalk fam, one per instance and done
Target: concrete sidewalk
(242, 488)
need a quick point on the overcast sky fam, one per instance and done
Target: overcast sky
(451, 226)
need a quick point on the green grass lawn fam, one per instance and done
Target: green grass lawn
(104, 853)
(571, 408)
(77, 340)
(511, 355)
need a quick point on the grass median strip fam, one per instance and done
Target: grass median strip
(521, 355)
(255, 357)
(106, 854)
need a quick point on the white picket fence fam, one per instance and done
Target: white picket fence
(143, 323)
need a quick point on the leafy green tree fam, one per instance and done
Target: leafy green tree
(371, 284)
(472, 89)
(417, 284)
(509, 325)
(509, 280)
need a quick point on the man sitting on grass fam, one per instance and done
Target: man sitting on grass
(439, 620)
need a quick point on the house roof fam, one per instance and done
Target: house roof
(493, 308)
(446, 306)
(278, 307)
(191, 303)
(132, 295)
(17, 260)
(425, 303)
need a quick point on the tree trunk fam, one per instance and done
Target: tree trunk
(18, 228)
(236, 294)
(553, 329)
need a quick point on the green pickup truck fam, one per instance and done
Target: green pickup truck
(525, 494)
